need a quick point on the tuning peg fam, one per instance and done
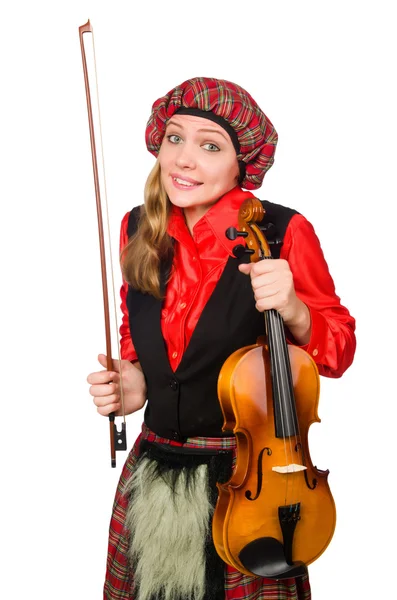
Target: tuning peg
(240, 250)
(268, 228)
(232, 233)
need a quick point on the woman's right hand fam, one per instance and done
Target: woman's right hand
(105, 388)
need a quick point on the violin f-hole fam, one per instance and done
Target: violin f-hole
(314, 481)
(248, 493)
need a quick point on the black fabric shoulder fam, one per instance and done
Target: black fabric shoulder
(133, 220)
(275, 223)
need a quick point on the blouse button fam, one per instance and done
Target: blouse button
(315, 352)
(183, 305)
(174, 354)
(174, 384)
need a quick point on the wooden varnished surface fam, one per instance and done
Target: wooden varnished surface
(247, 405)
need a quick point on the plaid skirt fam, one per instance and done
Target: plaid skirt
(237, 586)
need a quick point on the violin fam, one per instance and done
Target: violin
(276, 514)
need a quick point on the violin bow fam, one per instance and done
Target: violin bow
(118, 439)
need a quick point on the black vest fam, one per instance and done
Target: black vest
(185, 402)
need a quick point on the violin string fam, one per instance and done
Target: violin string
(277, 384)
(283, 392)
(286, 396)
(274, 369)
(298, 435)
(277, 378)
(108, 233)
(289, 395)
(283, 387)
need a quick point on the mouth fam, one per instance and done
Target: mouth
(184, 183)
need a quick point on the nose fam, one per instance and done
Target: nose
(185, 158)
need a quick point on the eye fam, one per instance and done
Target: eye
(173, 138)
(211, 147)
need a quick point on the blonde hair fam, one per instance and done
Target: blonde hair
(150, 245)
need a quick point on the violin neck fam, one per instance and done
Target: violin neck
(286, 421)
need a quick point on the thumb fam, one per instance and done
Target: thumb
(245, 268)
(102, 359)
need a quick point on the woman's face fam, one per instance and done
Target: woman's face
(198, 162)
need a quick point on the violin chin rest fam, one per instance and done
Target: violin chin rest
(265, 557)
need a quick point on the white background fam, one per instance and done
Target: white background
(324, 72)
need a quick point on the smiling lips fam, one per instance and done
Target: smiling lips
(184, 183)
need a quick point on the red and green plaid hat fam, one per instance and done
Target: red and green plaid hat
(252, 134)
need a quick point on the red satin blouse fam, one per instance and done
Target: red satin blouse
(199, 260)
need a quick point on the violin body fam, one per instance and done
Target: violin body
(276, 514)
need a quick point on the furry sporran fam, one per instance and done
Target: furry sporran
(172, 495)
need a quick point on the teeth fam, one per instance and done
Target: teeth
(182, 182)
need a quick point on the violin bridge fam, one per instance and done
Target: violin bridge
(292, 468)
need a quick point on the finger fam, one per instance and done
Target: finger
(267, 291)
(276, 302)
(269, 266)
(99, 390)
(102, 377)
(105, 411)
(268, 279)
(106, 400)
(266, 304)
(245, 268)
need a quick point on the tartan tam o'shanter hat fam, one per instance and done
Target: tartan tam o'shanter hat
(229, 105)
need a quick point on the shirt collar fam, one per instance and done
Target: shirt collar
(220, 216)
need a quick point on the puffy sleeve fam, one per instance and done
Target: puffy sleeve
(126, 346)
(332, 343)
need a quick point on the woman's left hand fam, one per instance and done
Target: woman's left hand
(273, 286)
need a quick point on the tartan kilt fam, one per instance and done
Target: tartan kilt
(119, 578)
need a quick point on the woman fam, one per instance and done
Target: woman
(188, 303)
